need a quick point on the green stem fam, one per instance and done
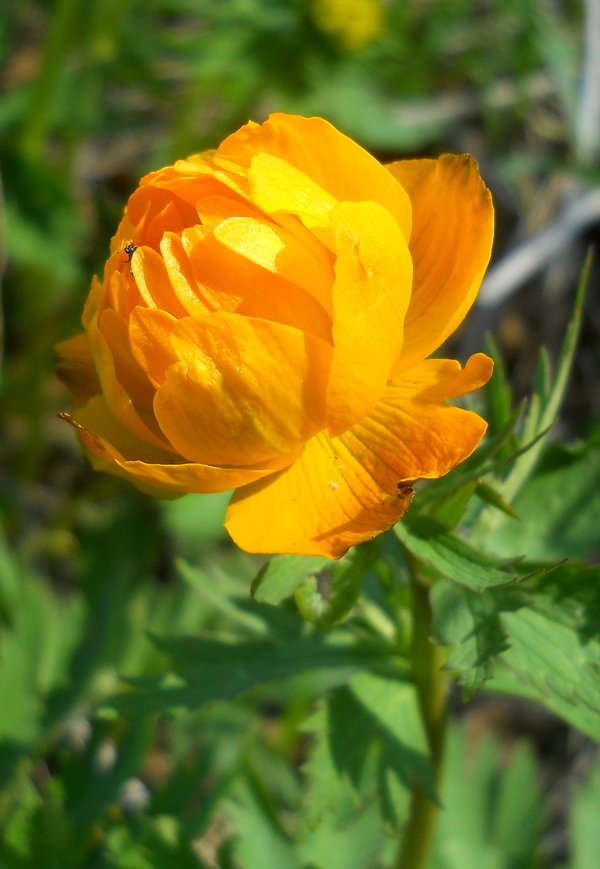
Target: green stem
(432, 689)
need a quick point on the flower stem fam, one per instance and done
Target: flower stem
(432, 689)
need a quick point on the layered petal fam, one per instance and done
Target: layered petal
(228, 280)
(371, 292)
(154, 283)
(152, 211)
(75, 367)
(335, 163)
(296, 259)
(344, 490)
(371, 288)
(243, 390)
(450, 245)
(116, 450)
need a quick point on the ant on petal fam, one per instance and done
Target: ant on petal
(130, 248)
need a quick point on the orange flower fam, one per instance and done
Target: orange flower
(264, 324)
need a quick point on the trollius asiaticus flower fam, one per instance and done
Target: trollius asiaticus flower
(270, 331)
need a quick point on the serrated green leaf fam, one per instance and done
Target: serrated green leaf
(553, 656)
(470, 624)
(507, 681)
(451, 556)
(558, 508)
(395, 708)
(283, 574)
(213, 670)
(370, 744)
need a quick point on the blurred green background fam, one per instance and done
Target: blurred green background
(93, 96)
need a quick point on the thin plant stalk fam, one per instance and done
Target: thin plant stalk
(432, 685)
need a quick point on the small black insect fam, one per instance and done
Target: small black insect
(130, 248)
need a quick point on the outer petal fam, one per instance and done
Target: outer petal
(244, 390)
(325, 502)
(75, 367)
(150, 339)
(373, 275)
(372, 285)
(453, 222)
(120, 402)
(113, 449)
(347, 489)
(331, 160)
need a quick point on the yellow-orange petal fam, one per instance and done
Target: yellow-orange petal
(133, 379)
(117, 397)
(181, 274)
(413, 427)
(322, 504)
(244, 390)
(75, 367)
(453, 224)
(373, 277)
(344, 490)
(323, 154)
(229, 281)
(154, 283)
(116, 450)
(193, 180)
(278, 187)
(298, 259)
(151, 211)
(150, 339)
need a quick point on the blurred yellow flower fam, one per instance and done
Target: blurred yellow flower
(263, 324)
(354, 22)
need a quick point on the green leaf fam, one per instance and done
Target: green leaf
(470, 624)
(147, 843)
(492, 496)
(395, 710)
(553, 656)
(583, 822)
(508, 681)
(497, 393)
(370, 744)
(543, 409)
(558, 508)
(451, 556)
(449, 508)
(327, 598)
(283, 574)
(259, 838)
(212, 670)
(493, 806)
